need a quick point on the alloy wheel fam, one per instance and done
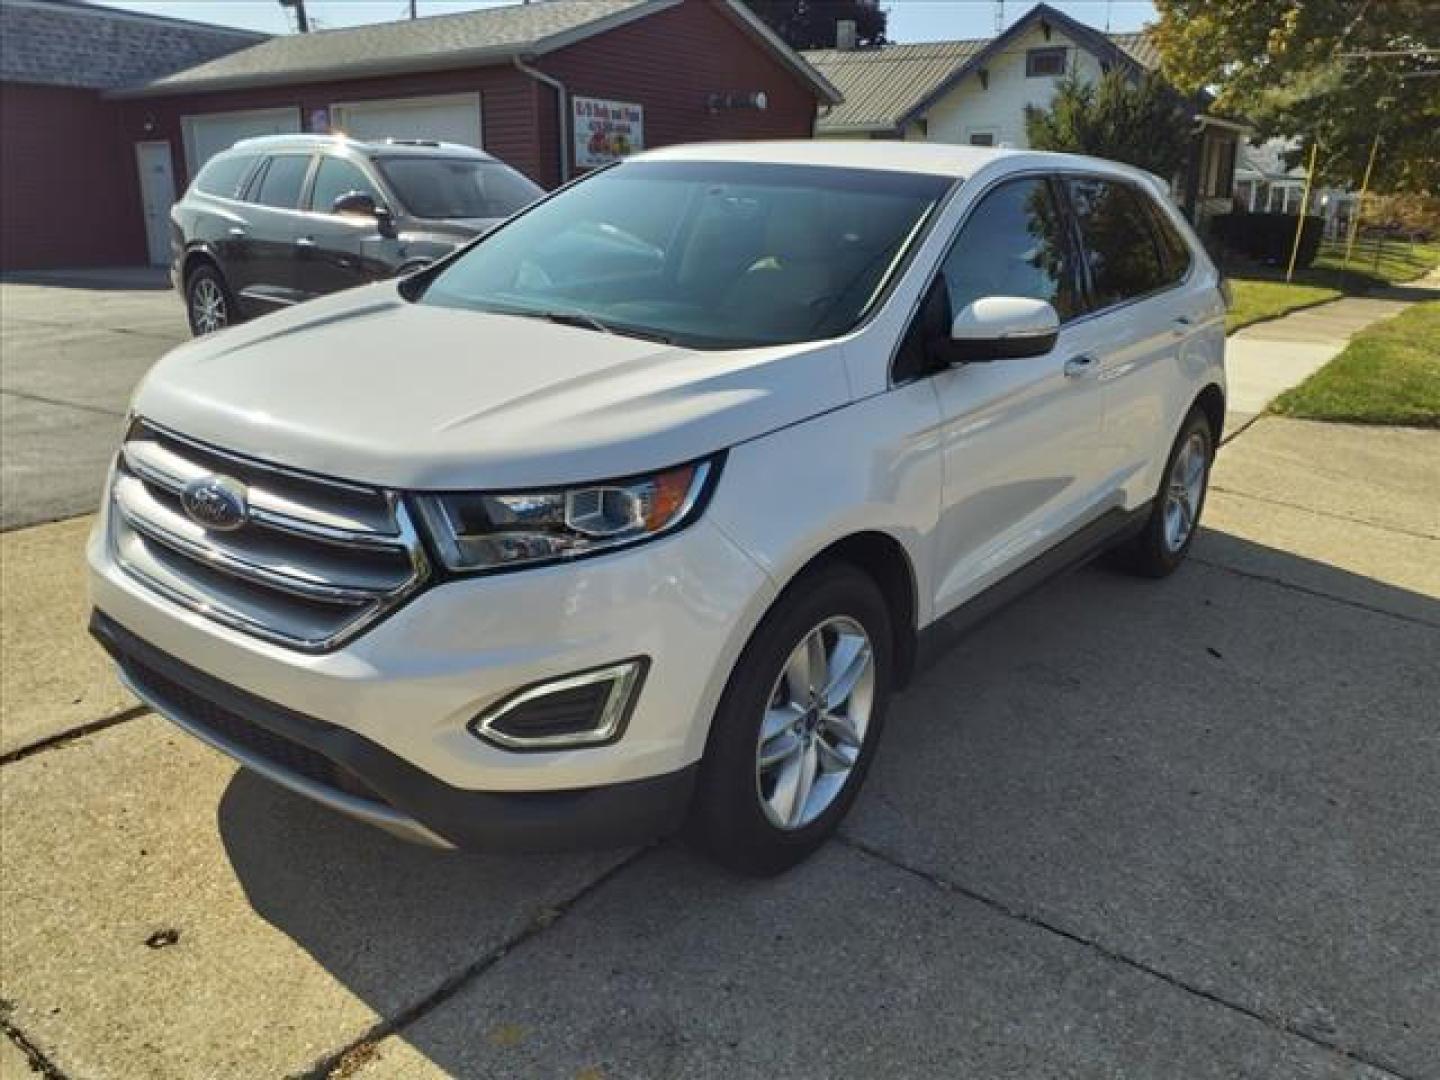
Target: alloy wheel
(1184, 490)
(207, 306)
(815, 724)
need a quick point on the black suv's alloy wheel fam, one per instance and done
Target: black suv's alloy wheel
(208, 302)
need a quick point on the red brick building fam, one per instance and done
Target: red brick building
(551, 87)
(69, 194)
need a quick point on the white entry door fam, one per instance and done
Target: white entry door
(452, 118)
(157, 195)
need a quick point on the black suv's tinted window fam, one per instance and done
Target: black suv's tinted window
(337, 177)
(1119, 240)
(458, 187)
(281, 184)
(223, 175)
(1012, 244)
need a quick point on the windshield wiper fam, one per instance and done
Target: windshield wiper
(571, 317)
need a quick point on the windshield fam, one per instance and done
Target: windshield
(712, 255)
(458, 187)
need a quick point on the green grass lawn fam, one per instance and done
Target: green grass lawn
(1389, 374)
(1392, 262)
(1262, 292)
(1255, 299)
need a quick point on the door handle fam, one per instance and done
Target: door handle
(237, 232)
(305, 241)
(1078, 367)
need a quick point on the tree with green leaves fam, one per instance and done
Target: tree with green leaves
(811, 24)
(1336, 72)
(1141, 122)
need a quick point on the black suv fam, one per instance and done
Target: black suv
(277, 220)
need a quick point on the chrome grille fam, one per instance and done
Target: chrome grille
(316, 561)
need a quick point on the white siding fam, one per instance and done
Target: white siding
(1000, 108)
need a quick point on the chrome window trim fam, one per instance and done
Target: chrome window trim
(1066, 211)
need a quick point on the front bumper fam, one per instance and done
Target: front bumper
(356, 777)
(390, 709)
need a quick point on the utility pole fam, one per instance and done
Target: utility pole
(301, 21)
(413, 13)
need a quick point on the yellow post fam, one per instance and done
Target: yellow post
(1360, 203)
(1304, 205)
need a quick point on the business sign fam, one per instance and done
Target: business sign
(606, 131)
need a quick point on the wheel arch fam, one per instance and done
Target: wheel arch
(195, 258)
(883, 559)
(1211, 401)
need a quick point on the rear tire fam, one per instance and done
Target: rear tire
(797, 725)
(1175, 513)
(209, 304)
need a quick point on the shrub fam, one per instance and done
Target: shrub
(1269, 238)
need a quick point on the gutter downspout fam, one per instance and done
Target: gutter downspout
(562, 101)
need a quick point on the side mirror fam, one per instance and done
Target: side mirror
(1002, 328)
(356, 203)
(363, 204)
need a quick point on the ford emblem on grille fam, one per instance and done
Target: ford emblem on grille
(216, 502)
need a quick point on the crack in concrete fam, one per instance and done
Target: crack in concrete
(129, 331)
(17, 526)
(43, 400)
(69, 735)
(1319, 594)
(1276, 1023)
(350, 1057)
(34, 1056)
(1401, 529)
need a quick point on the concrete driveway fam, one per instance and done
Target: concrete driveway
(72, 347)
(1127, 828)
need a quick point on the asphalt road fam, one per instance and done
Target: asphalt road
(71, 350)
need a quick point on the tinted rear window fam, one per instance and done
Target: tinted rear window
(223, 175)
(283, 179)
(1120, 246)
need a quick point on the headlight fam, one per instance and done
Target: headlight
(477, 531)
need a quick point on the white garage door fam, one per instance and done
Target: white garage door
(206, 135)
(454, 118)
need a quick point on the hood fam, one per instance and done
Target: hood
(366, 386)
(457, 229)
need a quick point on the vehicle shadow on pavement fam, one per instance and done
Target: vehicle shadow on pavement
(119, 278)
(1158, 828)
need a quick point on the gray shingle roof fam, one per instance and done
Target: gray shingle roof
(65, 43)
(885, 84)
(434, 42)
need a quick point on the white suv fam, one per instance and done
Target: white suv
(636, 512)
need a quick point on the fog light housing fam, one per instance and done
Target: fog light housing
(588, 708)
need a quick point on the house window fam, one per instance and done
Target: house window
(1044, 62)
(982, 138)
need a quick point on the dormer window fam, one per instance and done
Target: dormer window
(1042, 63)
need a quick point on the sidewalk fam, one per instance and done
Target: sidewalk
(1266, 359)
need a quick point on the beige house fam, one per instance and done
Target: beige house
(975, 92)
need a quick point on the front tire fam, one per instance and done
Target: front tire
(209, 304)
(1175, 513)
(797, 726)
